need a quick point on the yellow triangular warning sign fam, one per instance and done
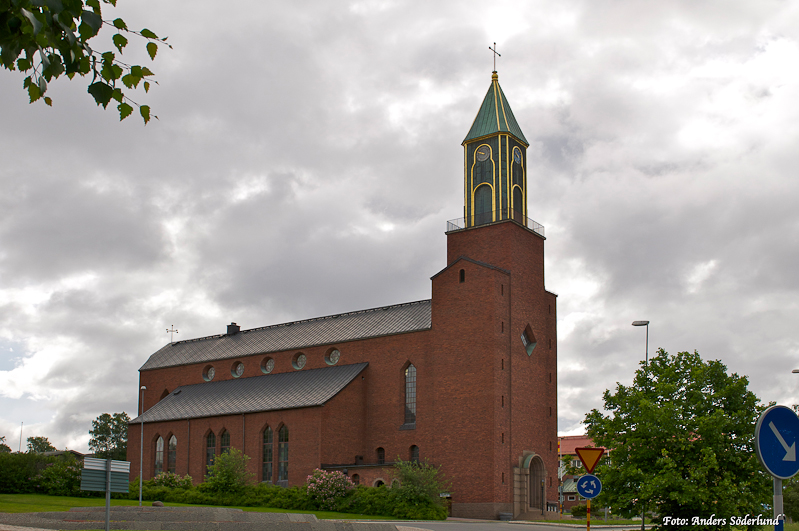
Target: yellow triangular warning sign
(590, 457)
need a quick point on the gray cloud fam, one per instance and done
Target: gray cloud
(307, 158)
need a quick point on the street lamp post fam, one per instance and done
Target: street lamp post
(646, 369)
(646, 324)
(141, 439)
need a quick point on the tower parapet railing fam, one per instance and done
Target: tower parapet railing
(494, 216)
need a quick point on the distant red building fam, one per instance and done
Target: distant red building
(466, 380)
(567, 445)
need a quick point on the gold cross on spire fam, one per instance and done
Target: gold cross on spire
(494, 49)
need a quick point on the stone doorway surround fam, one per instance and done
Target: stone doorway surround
(527, 481)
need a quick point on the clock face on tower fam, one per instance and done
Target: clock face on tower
(483, 153)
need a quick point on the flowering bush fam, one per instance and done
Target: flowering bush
(174, 481)
(327, 488)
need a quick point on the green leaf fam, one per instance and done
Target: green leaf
(48, 101)
(42, 84)
(55, 6)
(119, 41)
(117, 95)
(146, 86)
(34, 92)
(130, 80)
(145, 71)
(152, 49)
(95, 5)
(145, 112)
(37, 25)
(102, 93)
(23, 64)
(124, 111)
(147, 34)
(112, 2)
(120, 24)
(93, 20)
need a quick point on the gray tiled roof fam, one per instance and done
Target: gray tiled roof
(270, 392)
(408, 317)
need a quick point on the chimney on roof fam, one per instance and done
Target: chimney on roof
(233, 329)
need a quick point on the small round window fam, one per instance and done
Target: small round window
(332, 357)
(268, 365)
(208, 373)
(299, 361)
(237, 369)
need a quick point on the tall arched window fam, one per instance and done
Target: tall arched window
(210, 450)
(414, 454)
(410, 395)
(283, 454)
(172, 455)
(159, 456)
(267, 456)
(381, 456)
(224, 443)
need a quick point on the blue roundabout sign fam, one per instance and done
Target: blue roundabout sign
(776, 434)
(589, 486)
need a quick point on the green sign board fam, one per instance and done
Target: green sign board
(95, 480)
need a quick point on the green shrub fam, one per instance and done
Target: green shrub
(61, 478)
(326, 489)
(580, 510)
(18, 472)
(229, 472)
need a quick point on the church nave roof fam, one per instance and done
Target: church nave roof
(270, 392)
(375, 322)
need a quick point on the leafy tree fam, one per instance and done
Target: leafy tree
(39, 445)
(682, 442)
(571, 466)
(4, 448)
(109, 436)
(421, 478)
(51, 38)
(229, 472)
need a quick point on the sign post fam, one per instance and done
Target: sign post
(589, 485)
(776, 433)
(105, 475)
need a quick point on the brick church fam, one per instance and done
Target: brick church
(466, 380)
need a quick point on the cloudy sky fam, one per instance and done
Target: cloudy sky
(308, 156)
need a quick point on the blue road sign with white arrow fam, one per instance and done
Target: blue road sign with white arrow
(776, 434)
(589, 486)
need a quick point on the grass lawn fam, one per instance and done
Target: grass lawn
(38, 503)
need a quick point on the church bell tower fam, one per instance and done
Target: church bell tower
(495, 163)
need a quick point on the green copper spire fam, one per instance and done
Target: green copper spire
(495, 115)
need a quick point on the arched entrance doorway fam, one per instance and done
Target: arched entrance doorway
(536, 487)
